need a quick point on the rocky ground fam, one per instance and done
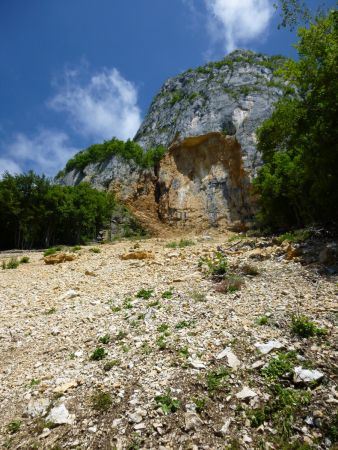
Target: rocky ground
(105, 352)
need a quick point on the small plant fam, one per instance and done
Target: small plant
(115, 308)
(216, 379)
(263, 320)
(183, 324)
(167, 403)
(105, 339)
(127, 303)
(280, 366)
(302, 326)
(163, 328)
(51, 251)
(230, 284)
(121, 335)
(95, 250)
(200, 404)
(125, 348)
(76, 248)
(183, 352)
(101, 401)
(98, 354)
(154, 304)
(294, 236)
(217, 265)
(14, 426)
(161, 342)
(50, 311)
(144, 293)
(34, 382)
(24, 260)
(145, 348)
(167, 294)
(181, 244)
(198, 296)
(110, 364)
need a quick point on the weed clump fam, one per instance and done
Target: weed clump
(14, 426)
(303, 327)
(95, 250)
(216, 265)
(144, 293)
(263, 320)
(24, 260)
(105, 339)
(51, 251)
(181, 244)
(167, 403)
(101, 401)
(110, 364)
(280, 366)
(216, 379)
(13, 263)
(98, 354)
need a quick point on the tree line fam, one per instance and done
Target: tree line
(36, 213)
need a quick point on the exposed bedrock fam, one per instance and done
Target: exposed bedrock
(202, 182)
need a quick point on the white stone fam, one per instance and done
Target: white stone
(306, 376)
(196, 364)
(225, 428)
(60, 415)
(246, 393)
(266, 348)
(192, 421)
(69, 294)
(233, 361)
(37, 407)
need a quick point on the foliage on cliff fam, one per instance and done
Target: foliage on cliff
(99, 153)
(298, 182)
(35, 213)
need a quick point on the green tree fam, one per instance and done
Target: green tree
(298, 183)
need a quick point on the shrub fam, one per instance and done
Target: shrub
(98, 354)
(95, 250)
(302, 326)
(217, 265)
(13, 263)
(280, 366)
(24, 260)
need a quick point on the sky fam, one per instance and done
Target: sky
(78, 72)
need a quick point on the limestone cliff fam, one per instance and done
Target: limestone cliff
(207, 119)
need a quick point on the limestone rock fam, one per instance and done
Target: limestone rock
(60, 415)
(246, 393)
(306, 376)
(271, 345)
(233, 361)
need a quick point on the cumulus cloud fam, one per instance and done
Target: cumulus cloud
(47, 151)
(7, 165)
(238, 22)
(104, 107)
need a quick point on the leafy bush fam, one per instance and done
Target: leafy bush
(279, 366)
(24, 260)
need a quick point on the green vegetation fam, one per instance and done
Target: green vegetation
(98, 354)
(200, 404)
(110, 364)
(98, 153)
(163, 328)
(167, 403)
(105, 339)
(294, 236)
(144, 293)
(217, 379)
(13, 263)
(161, 342)
(183, 352)
(101, 401)
(297, 184)
(176, 96)
(281, 409)
(14, 426)
(24, 260)
(263, 320)
(51, 251)
(217, 265)
(181, 244)
(36, 213)
(167, 294)
(198, 296)
(183, 324)
(95, 250)
(302, 326)
(280, 366)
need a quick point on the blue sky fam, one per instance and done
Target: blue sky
(76, 72)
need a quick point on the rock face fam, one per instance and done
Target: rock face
(207, 118)
(233, 96)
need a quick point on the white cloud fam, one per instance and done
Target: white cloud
(237, 22)
(104, 107)
(7, 165)
(47, 151)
